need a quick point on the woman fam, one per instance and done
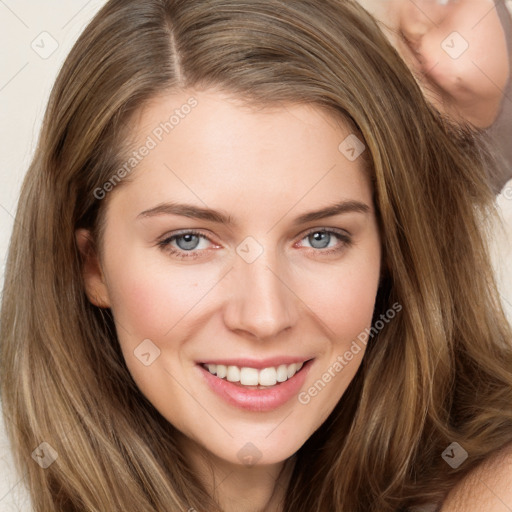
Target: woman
(248, 273)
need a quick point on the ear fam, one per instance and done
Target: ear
(92, 274)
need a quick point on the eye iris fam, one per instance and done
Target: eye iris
(190, 241)
(321, 237)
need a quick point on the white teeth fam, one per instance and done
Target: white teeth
(222, 370)
(268, 377)
(252, 376)
(282, 373)
(233, 374)
(249, 376)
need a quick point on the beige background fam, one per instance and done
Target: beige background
(35, 38)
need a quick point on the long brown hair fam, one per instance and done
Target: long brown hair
(438, 373)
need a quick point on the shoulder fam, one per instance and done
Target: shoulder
(488, 487)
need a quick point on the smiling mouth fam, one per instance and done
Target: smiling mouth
(254, 378)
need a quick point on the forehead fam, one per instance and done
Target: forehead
(214, 148)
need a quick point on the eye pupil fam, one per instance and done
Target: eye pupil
(321, 237)
(190, 241)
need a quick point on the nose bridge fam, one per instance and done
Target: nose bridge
(260, 301)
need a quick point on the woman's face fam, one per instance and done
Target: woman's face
(246, 239)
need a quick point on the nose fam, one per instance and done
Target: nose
(262, 302)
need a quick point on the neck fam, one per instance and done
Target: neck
(239, 487)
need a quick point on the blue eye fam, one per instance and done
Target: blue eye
(321, 238)
(190, 241)
(187, 243)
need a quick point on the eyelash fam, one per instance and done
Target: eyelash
(194, 253)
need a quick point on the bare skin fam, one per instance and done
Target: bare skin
(457, 51)
(183, 305)
(488, 487)
(264, 169)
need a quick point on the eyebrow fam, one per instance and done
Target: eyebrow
(196, 212)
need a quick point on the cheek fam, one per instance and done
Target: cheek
(345, 304)
(344, 297)
(149, 300)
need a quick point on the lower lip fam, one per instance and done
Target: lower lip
(257, 400)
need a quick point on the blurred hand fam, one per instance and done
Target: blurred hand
(458, 52)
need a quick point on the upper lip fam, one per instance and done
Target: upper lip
(258, 363)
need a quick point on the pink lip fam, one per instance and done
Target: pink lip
(258, 363)
(256, 400)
